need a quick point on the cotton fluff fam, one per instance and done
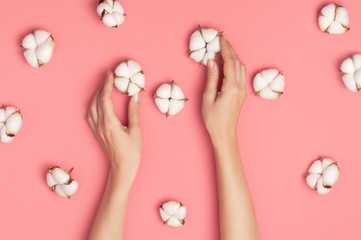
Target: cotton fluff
(111, 13)
(204, 44)
(169, 98)
(333, 19)
(322, 175)
(11, 121)
(61, 182)
(38, 46)
(173, 213)
(129, 78)
(351, 68)
(269, 84)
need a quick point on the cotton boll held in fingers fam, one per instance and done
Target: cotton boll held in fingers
(351, 69)
(269, 84)
(173, 213)
(11, 121)
(111, 13)
(333, 19)
(129, 78)
(169, 99)
(204, 44)
(322, 175)
(38, 47)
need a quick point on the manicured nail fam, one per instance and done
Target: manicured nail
(210, 63)
(136, 98)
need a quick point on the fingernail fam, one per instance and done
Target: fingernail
(136, 98)
(210, 63)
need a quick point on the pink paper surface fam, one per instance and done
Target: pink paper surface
(278, 139)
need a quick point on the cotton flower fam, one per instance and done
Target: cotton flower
(322, 175)
(173, 213)
(11, 121)
(351, 68)
(111, 12)
(204, 44)
(269, 84)
(38, 46)
(169, 98)
(333, 19)
(129, 78)
(61, 182)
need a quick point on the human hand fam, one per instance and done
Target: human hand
(220, 109)
(123, 145)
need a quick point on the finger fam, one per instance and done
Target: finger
(92, 112)
(210, 91)
(229, 60)
(133, 113)
(105, 96)
(91, 122)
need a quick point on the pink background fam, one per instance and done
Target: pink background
(278, 139)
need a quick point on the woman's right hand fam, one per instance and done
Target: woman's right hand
(220, 109)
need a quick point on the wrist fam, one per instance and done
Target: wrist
(224, 140)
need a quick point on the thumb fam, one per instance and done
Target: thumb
(133, 112)
(211, 89)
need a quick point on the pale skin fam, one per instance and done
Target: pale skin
(123, 146)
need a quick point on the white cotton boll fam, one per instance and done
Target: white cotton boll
(269, 83)
(175, 106)
(14, 123)
(133, 89)
(323, 174)
(121, 84)
(312, 179)
(41, 36)
(348, 66)
(50, 180)
(316, 167)
(5, 138)
(198, 54)
(138, 79)
(59, 190)
(162, 104)
(331, 174)
(129, 78)
(59, 175)
(40, 53)
(333, 19)
(164, 91)
(44, 52)
(30, 56)
(70, 188)
(214, 45)
(207, 56)
(29, 42)
(349, 81)
(169, 98)
(111, 13)
(196, 42)
(204, 44)
(351, 68)
(173, 213)
(10, 111)
(321, 189)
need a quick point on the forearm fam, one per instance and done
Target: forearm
(109, 221)
(237, 217)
